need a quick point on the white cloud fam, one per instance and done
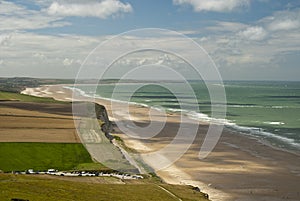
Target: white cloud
(67, 62)
(103, 9)
(287, 24)
(242, 52)
(233, 45)
(29, 22)
(282, 21)
(16, 17)
(10, 8)
(272, 27)
(255, 33)
(4, 38)
(40, 55)
(222, 26)
(214, 5)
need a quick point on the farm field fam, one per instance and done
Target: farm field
(36, 122)
(36, 187)
(41, 156)
(39, 136)
(25, 98)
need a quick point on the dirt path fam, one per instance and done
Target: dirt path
(177, 198)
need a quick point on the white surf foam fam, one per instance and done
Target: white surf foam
(252, 131)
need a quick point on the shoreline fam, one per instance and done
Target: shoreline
(263, 141)
(250, 132)
(43, 91)
(234, 159)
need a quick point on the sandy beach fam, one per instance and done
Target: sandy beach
(239, 168)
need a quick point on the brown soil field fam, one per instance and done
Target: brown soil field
(37, 122)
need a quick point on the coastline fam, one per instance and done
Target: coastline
(239, 168)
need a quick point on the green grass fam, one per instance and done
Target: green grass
(187, 193)
(25, 98)
(36, 188)
(91, 166)
(42, 156)
(122, 144)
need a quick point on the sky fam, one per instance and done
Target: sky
(246, 39)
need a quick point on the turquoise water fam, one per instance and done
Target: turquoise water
(266, 110)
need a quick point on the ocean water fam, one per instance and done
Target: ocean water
(266, 110)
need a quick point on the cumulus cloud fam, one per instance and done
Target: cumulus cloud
(103, 9)
(286, 24)
(283, 21)
(214, 5)
(256, 47)
(14, 16)
(40, 55)
(273, 25)
(255, 33)
(45, 55)
(17, 17)
(10, 8)
(4, 38)
(67, 62)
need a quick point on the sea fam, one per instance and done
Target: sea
(266, 110)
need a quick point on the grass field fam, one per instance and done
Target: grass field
(36, 188)
(40, 136)
(42, 156)
(25, 98)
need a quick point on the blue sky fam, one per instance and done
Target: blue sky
(247, 39)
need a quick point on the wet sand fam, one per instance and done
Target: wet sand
(239, 168)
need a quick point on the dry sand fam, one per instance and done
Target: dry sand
(239, 168)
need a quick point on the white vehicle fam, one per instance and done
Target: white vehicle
(51, 171)
(30, 171)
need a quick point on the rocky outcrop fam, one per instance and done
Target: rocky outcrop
(94, 110)
(106, 126)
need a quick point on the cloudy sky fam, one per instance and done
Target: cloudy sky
(247, 39)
